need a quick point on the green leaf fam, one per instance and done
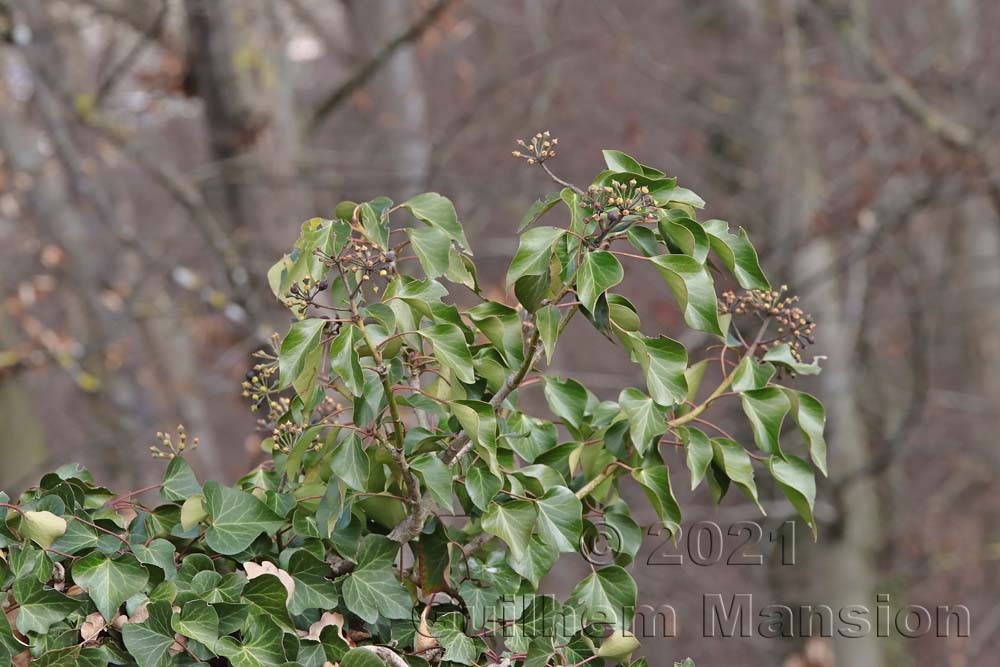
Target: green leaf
(482, 485)
(451, 350)
(431, 246)
(109, 582)
(537, 560)
(262, 645)
(798, 483)
(359, 657)
(269, 595)
(438, 212)
(618, 646)
(686, 234)
(655, 481)
(502, 326)
(699, 455)
(10, 645)
(533, 253)
(663, 363)
(237, 518)
(512, 522)
(737, 253)
(606, 596)
(350, 463)
(618, 161)
(781, 355)
(42, 528)
(149, 642)
(599, 271)
(344, 360)
(647, 420)
(766, 409)
(560, 519)
(478, 420)
(695, 292)
(808, 413)
(567, 399)
(436, 476)
(199, 621)
(374, 222)
(458, 646)
(547, 320)
(158, 553)
(193, 512)
(373, 590)
(751, 374)
(538, 209)
(301, 341)
(40, 608)
(736, 464)
(179, 482)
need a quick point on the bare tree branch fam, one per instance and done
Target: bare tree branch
(367, 70)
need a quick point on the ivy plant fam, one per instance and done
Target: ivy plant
(424, 472)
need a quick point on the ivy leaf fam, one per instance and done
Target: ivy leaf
(436, 476)
(501, 324)
(451, 350)
(344, 360)
(695, 292)
(538, 209)
(10, 645)
(179, 482)
(781, 355)
(751, 374)
(262, 645)
(646, 419)
(193, 512)
(663, 362)
(537, 560)
(655, 481)
(40, 607)
(734, 461)
(482, 485)
(458, 646)
(685, 234)
(42, 528)
(438, 212)
(599, 271)
(737, 253)
(533, 253)
(373, 590)
(199, 621)
(109, 582)
(237, 518)
(359, 657)
(512, 522)
(299, 343)
(560, 519)
(798, 483)
(350, 462)
(431, 246)
(547, 320)
(808, 413)
(268, 594)
(567, 399)
(620, 162)
(478, 420)
(766, 409)
(606, 596)
(158, 553)
(699, 455)
(149, 642)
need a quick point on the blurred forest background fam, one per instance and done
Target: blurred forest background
(157, 156)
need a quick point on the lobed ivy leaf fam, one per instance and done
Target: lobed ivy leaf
(149, 642)
(560, 519)
(40, 607)
(513, 522)
(179, 482)
(237, 518)
(438, 212)
(646, 419)
(606, 596)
